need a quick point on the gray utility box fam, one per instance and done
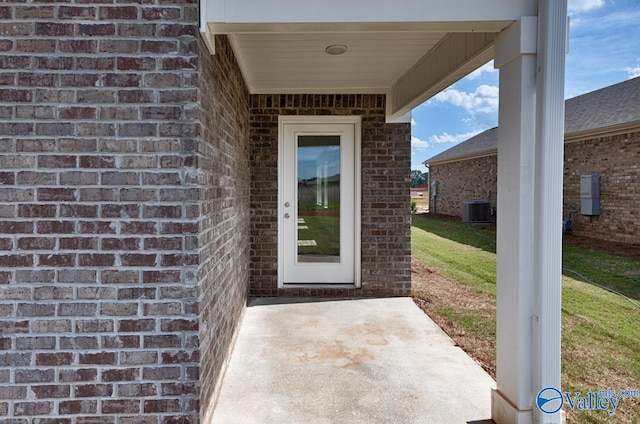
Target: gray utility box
(590, 194)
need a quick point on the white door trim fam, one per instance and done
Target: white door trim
(356, 121)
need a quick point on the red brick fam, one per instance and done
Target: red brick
(121, 342)
(74, 407)
(161, 405)
(77, 113)
(137, 390)
(120, 277)
(103, 358)
(79, 342)
(138, 259)
(136, 325)
(56, 194)
(13, 392)
(120, 374)
(51, 391)
(55, 227)
(97, 29)
(162, 341)
(77, 309)
(36, 343)
(55, 292)
(16, 360)
(176, 325)
(37, 211)
(93, 390)
(36, 45)
(34, 375)
(16, 261)
(57, 260)
(54, 359)
(78, 374)
(32, 408)
(137, 293)
(77, 12)
(53, 29)
(96, 227)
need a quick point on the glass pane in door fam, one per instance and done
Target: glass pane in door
(318, 174)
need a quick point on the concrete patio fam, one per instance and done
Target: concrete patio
(349, 361)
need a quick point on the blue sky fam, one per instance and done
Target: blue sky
(604, 49)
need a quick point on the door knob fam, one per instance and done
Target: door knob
(286, 215)
(287, 204)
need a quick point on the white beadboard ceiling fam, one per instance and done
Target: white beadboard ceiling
(289, 63)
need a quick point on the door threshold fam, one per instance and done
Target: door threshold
(319, 286)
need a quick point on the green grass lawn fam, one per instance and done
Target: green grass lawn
(601, 334)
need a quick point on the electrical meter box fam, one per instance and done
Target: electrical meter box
(590, 194)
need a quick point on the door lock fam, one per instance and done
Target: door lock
(287, 204)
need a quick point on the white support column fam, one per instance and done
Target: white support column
(530, 56)
(515, 56)
(552, 36)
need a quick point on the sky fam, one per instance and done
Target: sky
(604, 49)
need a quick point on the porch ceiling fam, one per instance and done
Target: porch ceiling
(407, 49)
(298, 63)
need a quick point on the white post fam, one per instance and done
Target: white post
(552, 36)
(530, 55)
(515, 56)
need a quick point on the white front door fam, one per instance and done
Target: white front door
(319, 201)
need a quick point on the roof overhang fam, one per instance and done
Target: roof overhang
(407, 49)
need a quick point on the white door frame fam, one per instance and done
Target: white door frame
(356, 122)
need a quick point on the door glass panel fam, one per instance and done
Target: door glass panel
(318, 173)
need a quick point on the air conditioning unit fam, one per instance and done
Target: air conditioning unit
(476, 211)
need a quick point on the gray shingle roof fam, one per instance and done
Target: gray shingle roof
(598, 110)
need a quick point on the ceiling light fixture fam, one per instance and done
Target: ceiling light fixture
(336, 49)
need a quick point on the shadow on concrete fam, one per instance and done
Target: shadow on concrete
(481, 422)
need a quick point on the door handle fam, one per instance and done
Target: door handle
(287, 204)
(286, 215)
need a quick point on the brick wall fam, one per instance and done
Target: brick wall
(111, 179)
(462, 181)
(224, 212)
(386, 200)
(617, 160)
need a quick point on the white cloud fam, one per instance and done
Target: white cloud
(486, 68)
(452, 138)
(413, 122)
(419, 144)
(635, 71)
(483, 100)
(584, 5)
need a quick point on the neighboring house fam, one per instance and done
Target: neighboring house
(150, 156)
(602, 136)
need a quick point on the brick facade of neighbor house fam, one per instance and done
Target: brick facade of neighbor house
(617, 159)
(462, 181)
(123, 205)
(386, 200)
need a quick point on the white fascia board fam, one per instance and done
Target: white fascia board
(309, 11)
